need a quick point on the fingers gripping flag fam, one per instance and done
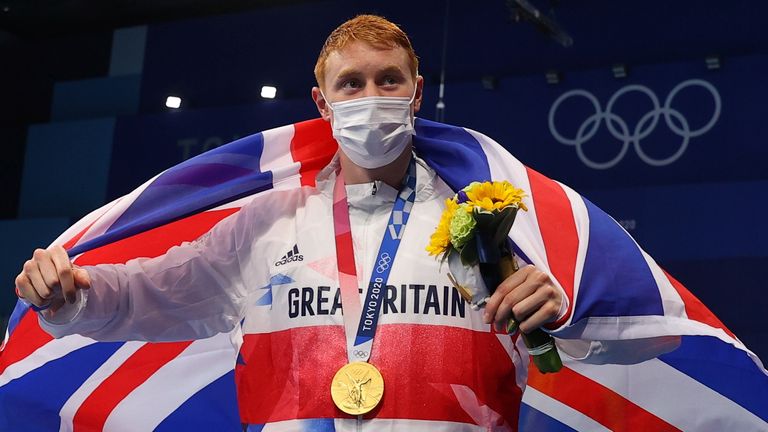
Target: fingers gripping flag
(711, 381)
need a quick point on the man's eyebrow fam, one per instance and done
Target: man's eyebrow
(391, 69)
(349, 72)
(346, 73)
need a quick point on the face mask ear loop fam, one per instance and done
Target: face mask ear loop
(415, 89)
(329, 104)
(413, 98)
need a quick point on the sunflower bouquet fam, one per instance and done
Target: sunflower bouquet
(472, 236)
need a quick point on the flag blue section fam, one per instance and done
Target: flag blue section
(18, 313)
(214, 408)
(532, 419)
(199, 184)
(32, 402)
(446, 147)
(519, 252)
(616, 280)
(726, 370)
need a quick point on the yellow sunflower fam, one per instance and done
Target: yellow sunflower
(441, 238)
(495, 196)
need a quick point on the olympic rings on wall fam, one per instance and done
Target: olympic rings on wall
(620, 130)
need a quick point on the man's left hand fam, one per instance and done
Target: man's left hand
(530, 295)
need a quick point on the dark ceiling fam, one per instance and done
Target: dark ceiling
(35, 19)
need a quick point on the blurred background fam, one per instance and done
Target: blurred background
(654, 110)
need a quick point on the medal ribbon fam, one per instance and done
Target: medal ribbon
(360, 340)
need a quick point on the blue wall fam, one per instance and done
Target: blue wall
(66, 167)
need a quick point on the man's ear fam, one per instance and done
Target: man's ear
(321, 104)
(419, 93)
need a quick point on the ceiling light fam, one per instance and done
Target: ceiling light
(268, 92)
(173, 102)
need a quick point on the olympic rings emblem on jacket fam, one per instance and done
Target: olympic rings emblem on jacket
(383, 263)
(620, 130)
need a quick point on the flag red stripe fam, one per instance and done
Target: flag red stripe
(73, 241)
(695, 309)
(313, 146)
(27, 338)
(156, 241)
(419, 363)
(95, 409)
(558, 231)
(596, 401)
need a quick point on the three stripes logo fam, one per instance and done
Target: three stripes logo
(291, 256)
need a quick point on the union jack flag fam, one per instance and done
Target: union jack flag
(617, 293)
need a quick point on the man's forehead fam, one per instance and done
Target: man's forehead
(357, 56)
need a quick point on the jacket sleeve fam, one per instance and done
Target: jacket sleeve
(193, 291)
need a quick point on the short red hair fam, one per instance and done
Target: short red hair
(375, 30)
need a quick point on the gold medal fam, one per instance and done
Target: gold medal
(357, 388)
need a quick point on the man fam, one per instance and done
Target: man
(439, 361)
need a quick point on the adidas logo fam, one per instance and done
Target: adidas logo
(291, 256)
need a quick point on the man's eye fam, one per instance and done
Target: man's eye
(390, 81)
(351, 84)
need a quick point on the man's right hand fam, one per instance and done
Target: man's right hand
(49, 278)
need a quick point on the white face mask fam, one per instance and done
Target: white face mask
(373, 131)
